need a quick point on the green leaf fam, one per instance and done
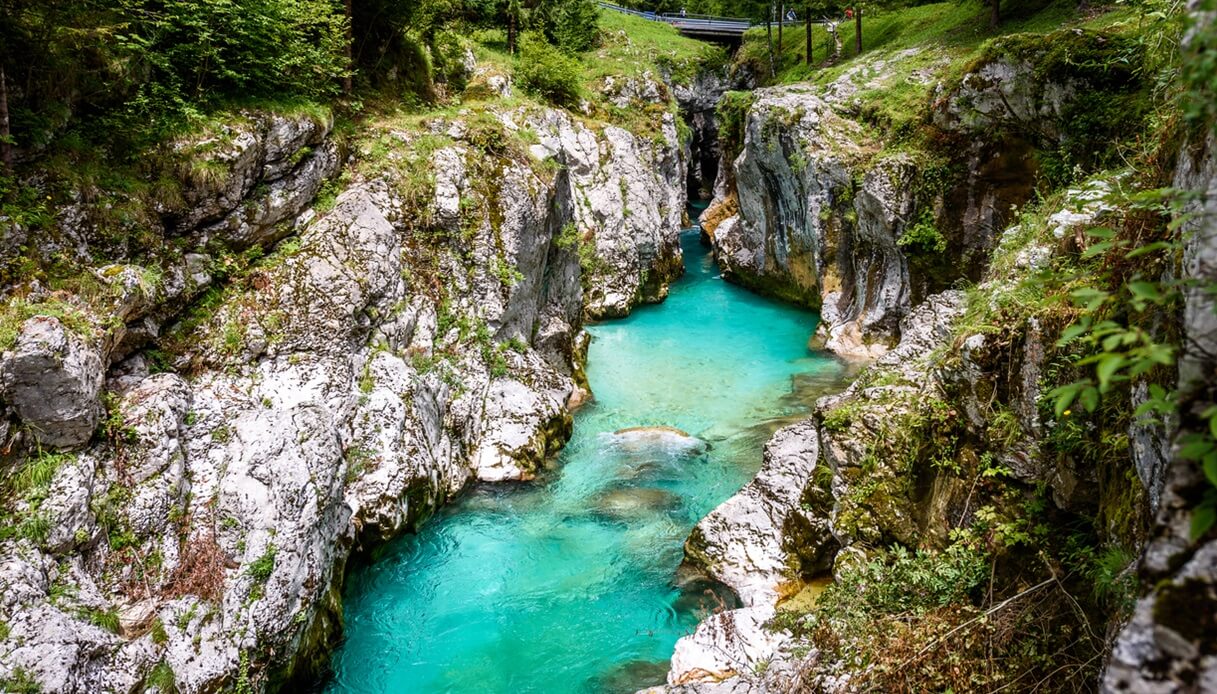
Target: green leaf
(1064, 396)
(1074, 331)
(1147, 291)
(1203, 517)
(1147, 248)
(1161, 354)
(1090, 398)
(1109, 364)
(1195, 447)
(1098, 249)
(1209, 465)
(1101, 233)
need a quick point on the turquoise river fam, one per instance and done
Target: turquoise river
(568, 583)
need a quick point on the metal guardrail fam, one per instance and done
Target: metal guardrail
(689, 21)
(700, 22)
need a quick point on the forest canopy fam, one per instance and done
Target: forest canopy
(140, 68)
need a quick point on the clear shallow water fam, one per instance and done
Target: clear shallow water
(566, 584)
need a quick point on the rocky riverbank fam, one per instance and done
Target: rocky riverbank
(949, 441)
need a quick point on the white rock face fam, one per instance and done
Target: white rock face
(792, 236)
(259, 148)
(724, 645)
(628, 198)
(742, 543)
(353, 386)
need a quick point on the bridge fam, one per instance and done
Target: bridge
(698, 26)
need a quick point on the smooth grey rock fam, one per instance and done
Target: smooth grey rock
(53, 378)
(724, 645)
(742, 542)
(793, 185)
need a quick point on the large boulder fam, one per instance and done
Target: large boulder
(52, 378)
(743, 542)
(726, 644)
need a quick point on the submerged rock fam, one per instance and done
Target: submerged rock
(657, 439)
(632, 503)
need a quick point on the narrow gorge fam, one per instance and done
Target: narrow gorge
(545, 346)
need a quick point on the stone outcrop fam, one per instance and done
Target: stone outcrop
(628, 200)
(725, 645)
(742, 542)
(243, 185)
(1169, 643)
(813, 210)
(806, 231)
(698, 102)
(52, 378)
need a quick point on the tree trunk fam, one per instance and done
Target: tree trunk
(6, 144)
(781, 21)
(808, 20)
(995, 15)
(511, 28)
(773, 71)
(350, 40)
(858, 30)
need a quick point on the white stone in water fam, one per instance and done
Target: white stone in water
(741, 543)
(659, 438)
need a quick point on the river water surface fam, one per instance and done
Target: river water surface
(566, 584)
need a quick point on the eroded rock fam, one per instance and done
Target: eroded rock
(52, 377)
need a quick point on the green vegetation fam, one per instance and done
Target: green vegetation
(20, 681)
(162, 677)
(22, 494)
(359, 461)
(548, 72)
(106, 619)
(261, 568)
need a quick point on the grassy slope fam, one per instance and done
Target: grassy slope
(629, 47)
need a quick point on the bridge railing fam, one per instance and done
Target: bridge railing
(627, 10)
(692, 21)
(673, 16)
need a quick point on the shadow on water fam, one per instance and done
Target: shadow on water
(574, 582)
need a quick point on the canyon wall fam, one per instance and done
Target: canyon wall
(327, 349)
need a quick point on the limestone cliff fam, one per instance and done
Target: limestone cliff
(816, 204)
(294, 381)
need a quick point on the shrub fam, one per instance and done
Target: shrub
(922, 237)
(547, 72)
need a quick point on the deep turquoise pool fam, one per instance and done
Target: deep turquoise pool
(566, 584)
